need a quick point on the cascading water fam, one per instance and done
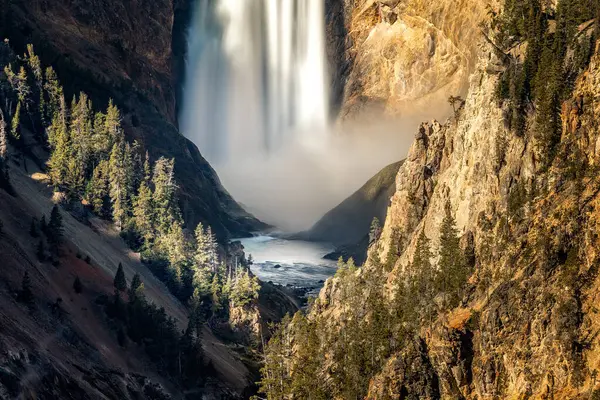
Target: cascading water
(256, 105)
(255, 78)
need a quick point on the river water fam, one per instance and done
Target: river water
(290, 262)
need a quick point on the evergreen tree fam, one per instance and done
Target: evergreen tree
(120, 189)
(15, 130)
(26, 294)
(245, 289)
(77, 285)
(35, 66)
(55, 97)
(375, 230)
(55, 226)
(58, 138)
(120, 283)
(136, 288)
(4, 176)
(80, 134)
(422, 281)
(97, 191)
(3, 139)
(143, 212)
(112, 123)
(164, 197)
(452, 266)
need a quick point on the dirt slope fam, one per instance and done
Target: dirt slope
(74, 349)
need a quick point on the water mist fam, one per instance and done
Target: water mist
(256, 104)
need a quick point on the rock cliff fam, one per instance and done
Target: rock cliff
(525, 322)
(526, 325)
(399, 56)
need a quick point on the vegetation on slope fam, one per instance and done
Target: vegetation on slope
(91, 164)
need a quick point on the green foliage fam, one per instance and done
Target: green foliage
(307, 359)
(453, 270)
(15, 125)
(546, 76)
(55, 227)
(120, 283)
(375, 230)
(244, 289)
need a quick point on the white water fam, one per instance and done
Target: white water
(290, 262)
(256, 105)
(255, 78)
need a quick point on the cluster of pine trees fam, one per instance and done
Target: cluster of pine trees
(177, 354)
(559, 48)
(92, 163)
(310, 358)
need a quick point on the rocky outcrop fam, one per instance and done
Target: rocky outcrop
(398, 56)
(525, 326)
(131, 52)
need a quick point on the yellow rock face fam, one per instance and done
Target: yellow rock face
(408, 54)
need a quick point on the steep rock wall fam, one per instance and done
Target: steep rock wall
(397, 56)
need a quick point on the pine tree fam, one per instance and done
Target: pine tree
(26, 294)
(3, 139)
(77, 285)
(375, 230)
(136, 288)
(143, 212)
(4, 175)
(97, 191)
(113, 123)
(55, 226)
(55, 96)
(35, 66)
(120, 283)
(423, 278)
(216, 294)
(80, 134)
(58, 138)
(452, 266)
(15, 129)
(245, 289)
(120, 189)
(167, 211)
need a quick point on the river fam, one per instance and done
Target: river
(290, 262)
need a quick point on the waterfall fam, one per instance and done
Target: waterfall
(255, 78)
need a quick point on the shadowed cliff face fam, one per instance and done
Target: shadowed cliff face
(132, 52)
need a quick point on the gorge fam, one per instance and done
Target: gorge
(147, 148)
